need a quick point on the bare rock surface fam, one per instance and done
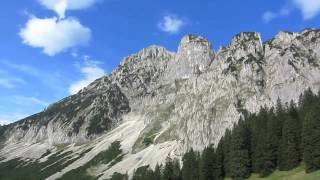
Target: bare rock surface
(159, 103)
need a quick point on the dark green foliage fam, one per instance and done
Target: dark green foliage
(207, 164)
(239, 152)
(311, 139)
(226, 153)
(218, 171)
(289, 148)
(143, 173)
(190, 168)
(171, 170)
(118, 176)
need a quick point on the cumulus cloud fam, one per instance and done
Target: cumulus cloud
(61, 6)
(171, 24)
(90, 72)
(309, 8)
(54, 35)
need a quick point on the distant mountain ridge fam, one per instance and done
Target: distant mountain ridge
(159, 103)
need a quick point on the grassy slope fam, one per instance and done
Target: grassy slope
(295, 174)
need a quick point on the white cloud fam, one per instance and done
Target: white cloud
(61, 6)
(54, 35)
(90, 72)
(309, 8)
(171, 24)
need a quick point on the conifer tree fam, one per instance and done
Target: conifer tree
(226, 153)
(207, 163)
(219, 159)
(289, 156)
(239, 153)
(311, 139)
(190, 168)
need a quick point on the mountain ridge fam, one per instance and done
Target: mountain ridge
(170, 101)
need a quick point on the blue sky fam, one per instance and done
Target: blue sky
(52, 48)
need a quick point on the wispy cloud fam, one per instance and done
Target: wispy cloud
(11, 82)
(90, 71)
(54, 35)
(308, 8)
(171, 24)
(22, 68)
(27, 101)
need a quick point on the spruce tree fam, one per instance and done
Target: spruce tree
(226, 153)
(171, 170)
(271, 146)
(190, 168)
(207, 163)
(289, 156)
(239, 153)
(311, 139)
(218, 171)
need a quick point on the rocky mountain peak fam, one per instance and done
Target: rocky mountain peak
(194, 40)
(246, 37)
(194, 55)
(151, 52)
(159, 103)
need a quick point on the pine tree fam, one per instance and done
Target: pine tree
(259, 140)
(289, 156)
(267, 143)
(170, 170)
(190, 168)
(218, 171)
(239, 153)
(226, 153)
(311, 139)
(207, 163)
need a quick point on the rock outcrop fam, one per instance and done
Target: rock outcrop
(159, 103)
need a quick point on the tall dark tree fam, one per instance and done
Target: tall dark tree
(190, 168)
(171, 170)
(226, 153)
(239, 153)
(289, 155)
(268, 144)
(311, 139)
(207, 164)
(218, 171)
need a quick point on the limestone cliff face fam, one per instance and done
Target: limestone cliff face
(172, 100)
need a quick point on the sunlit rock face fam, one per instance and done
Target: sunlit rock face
(159, 103)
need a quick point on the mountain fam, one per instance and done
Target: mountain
(159, 103)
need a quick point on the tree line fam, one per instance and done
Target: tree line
(280, 137)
